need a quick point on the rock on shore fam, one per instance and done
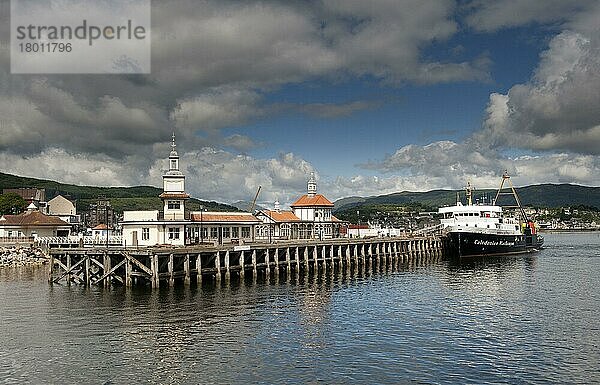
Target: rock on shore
(21, 256)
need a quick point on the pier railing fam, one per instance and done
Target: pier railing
(163, 265)
(75, 241)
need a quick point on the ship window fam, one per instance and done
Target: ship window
(475, 225)
(488, 226)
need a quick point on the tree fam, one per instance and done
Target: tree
(11, 203)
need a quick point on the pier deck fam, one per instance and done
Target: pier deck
(161, 265)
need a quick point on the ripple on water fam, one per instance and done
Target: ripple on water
(530, 319)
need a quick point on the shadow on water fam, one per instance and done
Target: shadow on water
(486, 320)
(497, 263)
(212, 290)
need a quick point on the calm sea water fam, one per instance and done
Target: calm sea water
(518, 320)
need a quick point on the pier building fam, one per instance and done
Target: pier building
(310, 218)
(177, 227)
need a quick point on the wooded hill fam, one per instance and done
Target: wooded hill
(121, 198)
(543, 195)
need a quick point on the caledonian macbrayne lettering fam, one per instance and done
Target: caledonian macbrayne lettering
(479, 242)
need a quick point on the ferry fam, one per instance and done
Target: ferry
(485, 230)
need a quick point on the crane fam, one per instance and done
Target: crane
(253, 204)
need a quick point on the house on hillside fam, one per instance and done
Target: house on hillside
(64, 209)
(34, 195)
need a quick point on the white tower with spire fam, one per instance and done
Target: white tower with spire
(311, 186)
(174, 195)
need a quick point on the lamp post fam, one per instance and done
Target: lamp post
(201, 225)
(358, 228)
(106, 216)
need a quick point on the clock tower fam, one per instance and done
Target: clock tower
(174, 195)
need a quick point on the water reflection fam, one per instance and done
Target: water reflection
(527, 319)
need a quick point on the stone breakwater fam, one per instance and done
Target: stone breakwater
(21, 256)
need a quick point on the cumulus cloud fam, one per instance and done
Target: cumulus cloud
(336, 110)
(215, 62)
(559, 109)
(491, 15)
(212, 63)
(76, 168)
(223, 176)
(222, 107)
(448, 164)
(210, 173)
(554, 117)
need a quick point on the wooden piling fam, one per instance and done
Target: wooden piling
(186, 270)
(242, 264)
(218, 266)
(130, 267)
(198, 269)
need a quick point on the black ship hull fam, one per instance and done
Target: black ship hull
(473, 244)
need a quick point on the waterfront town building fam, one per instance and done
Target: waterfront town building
(64, 209)
(311, 217)
(100, 212)
(34, 195)
(177, 227)
(32, 224)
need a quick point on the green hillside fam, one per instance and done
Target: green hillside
(543, 195)
(121, 198)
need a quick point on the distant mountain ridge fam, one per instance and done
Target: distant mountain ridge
(245, 205)
(121, 198)
(146, 197)
(542, 195)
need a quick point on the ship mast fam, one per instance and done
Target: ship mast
(469, 193)
(513, 192)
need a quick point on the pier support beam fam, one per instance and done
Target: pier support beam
(186, 270)
(242, 264)
(217, 266)
(199, 269)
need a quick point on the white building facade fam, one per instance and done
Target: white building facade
(33, 223)
(311, 217)
(176, 227)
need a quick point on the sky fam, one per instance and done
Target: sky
(374, 97)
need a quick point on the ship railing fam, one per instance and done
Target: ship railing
(432, 230)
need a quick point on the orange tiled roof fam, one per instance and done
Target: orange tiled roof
(317, 200)
(223, 217)
(101, 226)
(281, 216)
(33, 218)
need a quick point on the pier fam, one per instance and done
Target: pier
(160, 266)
